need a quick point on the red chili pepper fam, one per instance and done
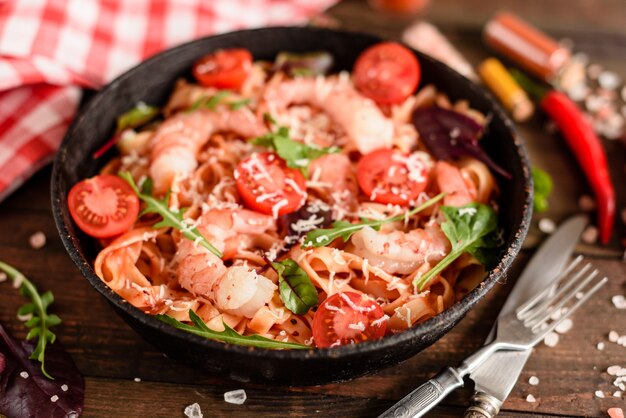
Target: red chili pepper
(589, 152)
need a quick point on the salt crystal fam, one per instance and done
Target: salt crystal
(586, 203)
(590, 235)
(37, 240)
(555, 316)
(613, 336)
(612, 371)
(551, 340)
(564, 326)
(579, 295)
(531, 399)
(3, 276)
(600, 346)
(534, 380)
(24, 375)
(599, 394)
(64, 388)
(619, 301)
(615, 412)
(193, 411)
(622, 340)
(617, 394)
(54, 398)
(137, 379)
(237, 397)
(609, 80)
(547, 225)
(578, 92)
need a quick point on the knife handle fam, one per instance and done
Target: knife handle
(425, 397)
(483, 406)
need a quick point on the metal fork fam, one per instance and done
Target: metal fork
(520, 330)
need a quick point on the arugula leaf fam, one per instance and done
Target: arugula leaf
(238, 104)
(137, 116)
(209, 102)
(296, 289)
(41, 321)
(171, 219)
(470, 228)
(345, 229)
(296, 154)
(543, 188)
(229, 335)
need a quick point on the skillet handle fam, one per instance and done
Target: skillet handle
(425, 397)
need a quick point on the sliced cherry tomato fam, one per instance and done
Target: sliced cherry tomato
(387, 73)
(387, 176)
(103, 206)
(347, 318)
(267, 185)
(224, 69)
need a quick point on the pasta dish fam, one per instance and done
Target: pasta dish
(280, 200)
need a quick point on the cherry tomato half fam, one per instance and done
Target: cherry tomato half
(387, 73)
(103, 206)
(224, 69)
(387, 176)
(347, 318)
(267, 185)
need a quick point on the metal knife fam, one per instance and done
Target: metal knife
(496, 377)
(496, 382)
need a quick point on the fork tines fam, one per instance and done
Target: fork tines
(548, 303)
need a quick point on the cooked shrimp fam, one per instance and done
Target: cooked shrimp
(399, 252)
(204, 274)
(333, 176)
(461, 190)
(177, 141)
(241, 291)
(364, 123)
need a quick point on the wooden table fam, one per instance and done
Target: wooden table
(111, 355)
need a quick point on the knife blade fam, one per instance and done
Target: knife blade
(497, 376)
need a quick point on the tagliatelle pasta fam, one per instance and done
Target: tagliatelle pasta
(233, 168)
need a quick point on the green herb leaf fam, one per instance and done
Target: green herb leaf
(543, 188)
(41, 322)
(344, 229)
(470, 228)
(171, 219)
(229, 335)
(209, 102)
(238, 104)
(137, 116)
(296, 289)
(269, 119)
(296, 154)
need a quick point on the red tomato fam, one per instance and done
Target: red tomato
(267, 185)
(387, 73)
(103, 206)
(224, 69)
(387, 176)
(347, 318)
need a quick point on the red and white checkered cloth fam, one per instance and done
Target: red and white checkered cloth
(50, 49)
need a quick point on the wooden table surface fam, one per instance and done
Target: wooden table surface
(111, 355)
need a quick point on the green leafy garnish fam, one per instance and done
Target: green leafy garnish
(470, 228)
(137, 116)
(211, 102)
(543, 188)
(41, 321)
(296, 290)
(171, 218)
(229, 335)
(344, 229)
(296, 154)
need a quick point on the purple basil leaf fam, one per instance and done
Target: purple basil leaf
(33, 396)
(449, 135)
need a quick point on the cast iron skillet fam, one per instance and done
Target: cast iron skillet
(153, 80)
